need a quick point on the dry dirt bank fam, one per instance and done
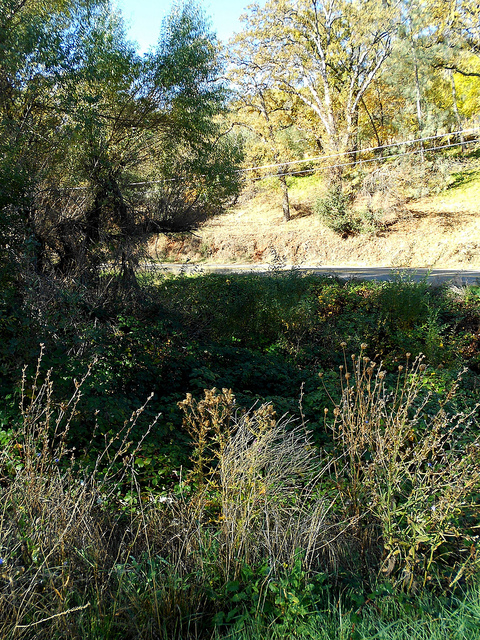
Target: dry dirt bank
(442, 232)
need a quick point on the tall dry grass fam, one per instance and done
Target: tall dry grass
(246, 533)
(261, 475)
(413, 466)
(61, 532)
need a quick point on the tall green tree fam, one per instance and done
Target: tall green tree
(415, 93)
(83, 116)
(410, 75)
(31, 62)
(457, 27)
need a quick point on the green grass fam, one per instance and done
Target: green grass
(421, 618)
(305, 187)
(464, 180)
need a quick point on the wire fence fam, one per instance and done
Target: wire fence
(318, 160)
(367, 160)
(365, 150)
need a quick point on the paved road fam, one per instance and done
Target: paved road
(435, 276)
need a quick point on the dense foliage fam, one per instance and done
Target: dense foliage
(262, 336)
(225, 520)
(99, 145)
(206, 455)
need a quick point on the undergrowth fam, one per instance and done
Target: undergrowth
(261, 532)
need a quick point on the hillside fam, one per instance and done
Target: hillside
(441, 230)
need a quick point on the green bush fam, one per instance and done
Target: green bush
(333, 209)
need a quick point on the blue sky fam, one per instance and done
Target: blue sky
(143, 17)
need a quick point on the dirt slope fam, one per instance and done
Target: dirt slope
(441, 231)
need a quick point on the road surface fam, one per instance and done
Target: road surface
(434, 276)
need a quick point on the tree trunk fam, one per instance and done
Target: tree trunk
(418, 98)
(335, 176)
(35, 244)
(92, 219)
(120, 208)
(128, 278)
(353, 148)
(455, 108)
(285, 202)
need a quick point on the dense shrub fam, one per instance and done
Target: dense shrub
(334, 210)
(261, 533)
(338, 213)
